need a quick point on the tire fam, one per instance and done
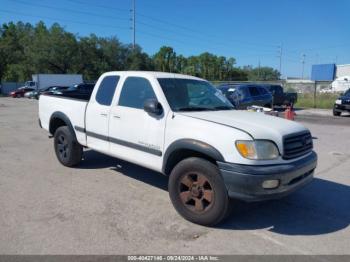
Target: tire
(198, 192)
(67, 150)
(336, 113)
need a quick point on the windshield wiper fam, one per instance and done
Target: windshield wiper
(194, 109)
(224, 108)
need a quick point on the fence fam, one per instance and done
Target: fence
(8, 87)
(310, 93)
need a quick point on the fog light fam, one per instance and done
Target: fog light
(270, 184)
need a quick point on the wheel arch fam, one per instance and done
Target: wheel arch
(184, 148)
(59, 119)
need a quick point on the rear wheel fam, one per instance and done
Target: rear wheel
(198, 192)
(68, 151)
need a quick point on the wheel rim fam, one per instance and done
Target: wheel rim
(62, 147)
(196, 192)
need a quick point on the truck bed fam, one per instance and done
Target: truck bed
(73, 95)
(72, 106)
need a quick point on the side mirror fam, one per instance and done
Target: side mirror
(152, 106)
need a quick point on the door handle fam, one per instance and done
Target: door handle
(116, 116)
(103, 114)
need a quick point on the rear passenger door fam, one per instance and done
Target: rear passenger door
(255, 94)
(136, 135)
(265, 96)
(97, 113)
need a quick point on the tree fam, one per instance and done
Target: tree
(262, 73)
(165, 59)
(26, 49)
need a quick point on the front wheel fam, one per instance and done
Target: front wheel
(336, 113)
(67, 150)
(198, 192)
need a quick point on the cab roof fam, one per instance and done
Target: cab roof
(153, 74)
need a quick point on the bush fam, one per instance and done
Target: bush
(325, 101)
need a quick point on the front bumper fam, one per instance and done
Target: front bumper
(341, 108)
(245, 181)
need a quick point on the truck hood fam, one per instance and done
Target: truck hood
(257, 125)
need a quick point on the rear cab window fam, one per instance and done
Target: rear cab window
(254, 91)
(106, 90)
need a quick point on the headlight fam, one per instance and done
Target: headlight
(257, 149)
(338, 101)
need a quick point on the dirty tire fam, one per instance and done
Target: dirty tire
(67, 150)
(336, 113)
(198, 192)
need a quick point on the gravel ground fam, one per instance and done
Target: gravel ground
(108, 206)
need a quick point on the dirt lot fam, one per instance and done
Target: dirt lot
(107, 206)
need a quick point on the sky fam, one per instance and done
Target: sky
(251, 31)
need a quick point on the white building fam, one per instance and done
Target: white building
(343, 70)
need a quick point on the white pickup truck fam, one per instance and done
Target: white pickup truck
(184, 128)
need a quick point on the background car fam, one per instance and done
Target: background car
(245, 95)
(49, 90)
(280, 97)
(21, 91)
(83, 88)
(79, 91)
(31, 94)
(52, 90)
(342, 104)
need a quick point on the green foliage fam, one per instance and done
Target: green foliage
(325, 101)
(26, 49)
(262, 73)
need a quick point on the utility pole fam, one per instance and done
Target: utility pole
(302, 65)
(280, 50)
(133, 10)
(259, 70)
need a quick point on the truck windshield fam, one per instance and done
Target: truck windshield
(193, 95)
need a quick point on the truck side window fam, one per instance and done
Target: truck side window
(253, 91)
(262, 90)
(106, 90)
(135, 91)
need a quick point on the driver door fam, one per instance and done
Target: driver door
(136, 135)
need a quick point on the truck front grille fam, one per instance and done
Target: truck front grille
(346, 102)
(297, 144)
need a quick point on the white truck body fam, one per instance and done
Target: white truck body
(134, 135)
(341, 84)
(42, 81)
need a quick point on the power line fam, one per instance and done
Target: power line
(100, 6)
(115, 18)
(70, 10)
(110, 17)
(174, 25)
(63, 20)
(162, 29)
